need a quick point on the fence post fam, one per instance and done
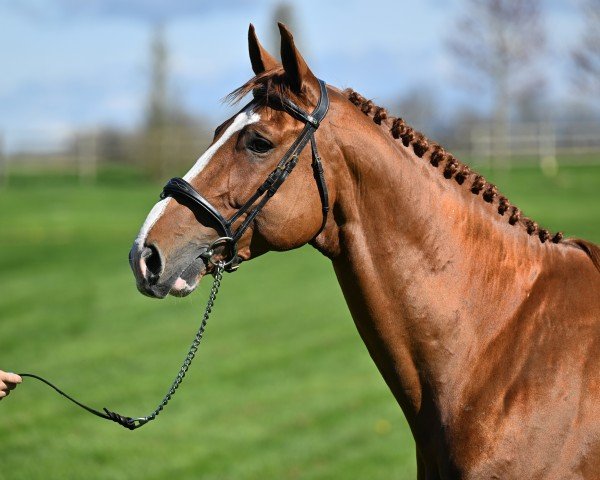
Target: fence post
(3, 164)
(547, 149)
(87, 156)
(481, 145)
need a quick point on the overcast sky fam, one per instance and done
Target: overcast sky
(70, 64)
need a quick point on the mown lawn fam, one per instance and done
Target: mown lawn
(282, 386)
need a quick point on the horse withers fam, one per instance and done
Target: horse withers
(485, 326)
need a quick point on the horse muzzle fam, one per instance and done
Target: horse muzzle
(157, 277)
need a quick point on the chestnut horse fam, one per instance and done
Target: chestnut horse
(485, 326)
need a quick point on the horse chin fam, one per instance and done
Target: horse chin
(182, 289)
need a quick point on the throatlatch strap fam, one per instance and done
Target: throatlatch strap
(321, 183)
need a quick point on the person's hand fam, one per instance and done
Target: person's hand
(8, 381)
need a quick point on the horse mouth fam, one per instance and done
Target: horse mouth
(190, 278)
(183, 279)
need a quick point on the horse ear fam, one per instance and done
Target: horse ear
(261, 59)
(297, 72)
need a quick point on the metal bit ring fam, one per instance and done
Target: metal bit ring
(229, 243)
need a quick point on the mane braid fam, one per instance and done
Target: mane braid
(450, 166)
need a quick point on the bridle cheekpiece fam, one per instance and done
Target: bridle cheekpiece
(180, 189)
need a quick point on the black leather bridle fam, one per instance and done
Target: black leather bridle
(180, 189)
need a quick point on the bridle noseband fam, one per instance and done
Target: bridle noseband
(180, 189)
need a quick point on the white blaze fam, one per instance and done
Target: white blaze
(153, 216)
(244, 118)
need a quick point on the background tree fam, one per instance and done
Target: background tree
(154, 133)
(170, 138)
(284, 13)
(418, 107)
(586, 56)
(498, 43)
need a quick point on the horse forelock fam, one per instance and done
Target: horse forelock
(269, 84)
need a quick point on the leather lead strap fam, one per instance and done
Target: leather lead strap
(127, 422)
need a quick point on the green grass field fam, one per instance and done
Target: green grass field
(282, 386)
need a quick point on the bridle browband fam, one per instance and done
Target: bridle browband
(180, 189)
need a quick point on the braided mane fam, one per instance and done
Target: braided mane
(451, 168)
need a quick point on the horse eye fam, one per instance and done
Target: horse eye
(258, 144)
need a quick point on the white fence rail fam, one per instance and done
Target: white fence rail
(526, 142)
(543, 143)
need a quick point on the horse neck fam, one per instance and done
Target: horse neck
(426, 267)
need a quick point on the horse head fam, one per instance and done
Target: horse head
(169, 254)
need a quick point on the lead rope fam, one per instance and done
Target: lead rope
(132, 423)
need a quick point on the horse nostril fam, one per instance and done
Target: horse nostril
(151, 258)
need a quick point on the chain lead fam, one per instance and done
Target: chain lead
(130, 422)
(133, 423)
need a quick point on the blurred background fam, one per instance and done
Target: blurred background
(101, 101)
(103, 83)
